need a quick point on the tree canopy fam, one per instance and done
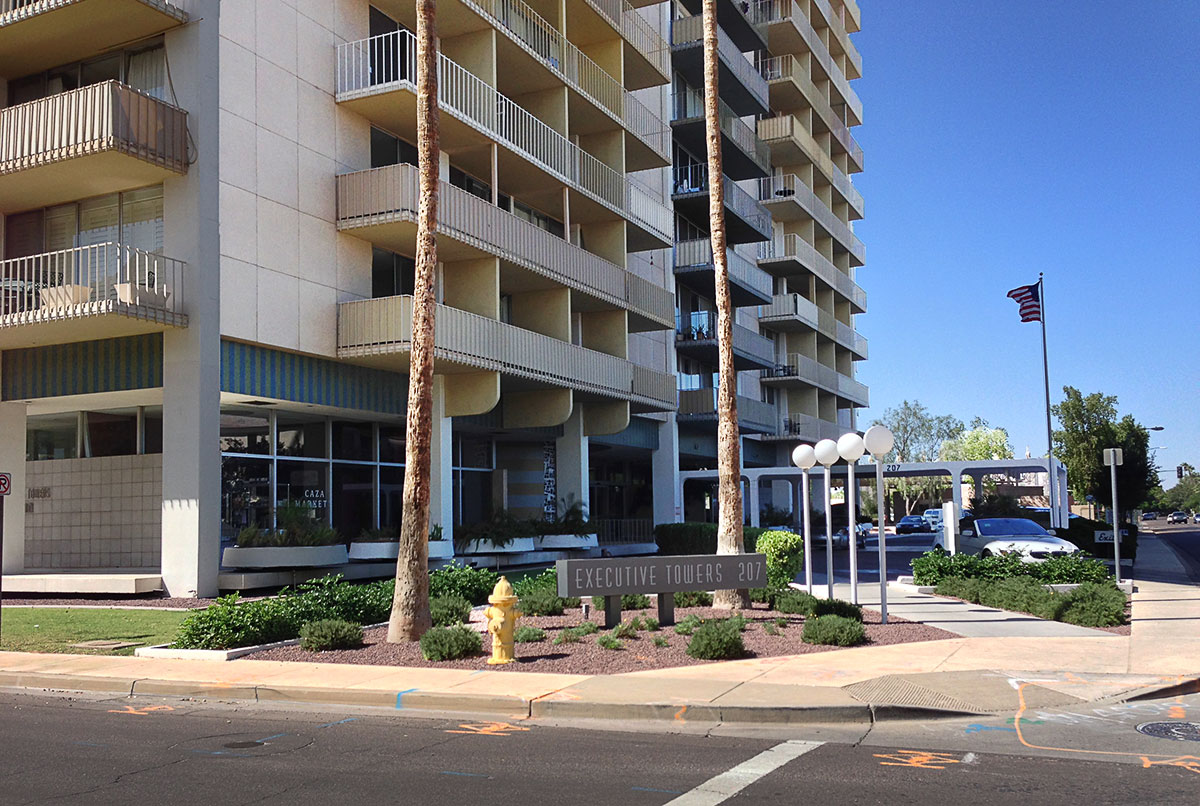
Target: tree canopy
(1088, 425)
(980, 443)
(919, 438)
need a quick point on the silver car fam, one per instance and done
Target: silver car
(989, 537)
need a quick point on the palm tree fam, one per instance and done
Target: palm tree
(410, 617)
(729, 484)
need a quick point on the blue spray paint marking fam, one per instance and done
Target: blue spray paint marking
(89, 744)
(648, 789)
(220, 753)
(276, 736)
(400, 695)
(976, 728)
(339, 722)
(465, 774)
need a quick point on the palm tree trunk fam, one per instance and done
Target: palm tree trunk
(410, 617)
(729, 470)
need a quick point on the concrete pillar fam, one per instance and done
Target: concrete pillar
(797, 506)
(664, 468)
(753, 502)
(571, 463)
(956, 491)
(12, 461)
(441, 463)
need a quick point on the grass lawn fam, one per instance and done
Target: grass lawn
(54, 629)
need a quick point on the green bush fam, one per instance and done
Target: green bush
(770, 629)
(450, 643)
(661, 641)
(785, 556)
(528, 634)
(781, 623)
(319, 636)
(572, 635)
(836, 607)
(761, 595)
(1072, 568)
(473, 584)
(1022, 593)
(833, 630)
(547, 580)
(934, 566)
(693, 599)
(688, 625)
(449, 609)
(697, 538)
(794, 602)
(608, 641)
(1093, 604)
(635, 601)
(651, 623)
(968, 589)
(541, 603)
(717, 639)
(626, 629)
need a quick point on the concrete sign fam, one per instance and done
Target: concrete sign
(5, 483)
(1106, 536)
(692, 572)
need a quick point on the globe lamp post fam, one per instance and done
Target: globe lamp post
(850, 447)
(804, 458)
(878, 442)
(827, 454)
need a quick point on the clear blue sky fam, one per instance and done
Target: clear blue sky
(1004, 139)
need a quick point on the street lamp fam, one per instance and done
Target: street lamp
(804, 457)
(850, 447)
(827, 454)
(879, 442)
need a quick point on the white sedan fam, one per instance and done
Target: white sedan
(989, 537)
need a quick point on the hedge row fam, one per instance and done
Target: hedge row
(934, 566)
(1092, 604)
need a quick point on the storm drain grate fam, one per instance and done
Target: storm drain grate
(1178, 731)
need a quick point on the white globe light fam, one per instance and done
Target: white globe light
(878, 440)
(804, 457)
(850, 447)
(827, 452)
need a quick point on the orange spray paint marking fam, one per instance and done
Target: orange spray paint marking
(679, 714)
(146, 711)
(917, 758)
(488, 729)
(1189, 763)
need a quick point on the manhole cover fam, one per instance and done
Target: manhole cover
(1179, 731)
(240, 745)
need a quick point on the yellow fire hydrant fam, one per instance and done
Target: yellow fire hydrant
(502, 621)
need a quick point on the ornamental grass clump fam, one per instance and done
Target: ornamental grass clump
(688, 625)
(608, 641)
(450, 643)
(833, 630)
(573, 635)
(327, 634)
(693, 599)
(717, 639)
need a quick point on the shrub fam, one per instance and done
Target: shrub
(785, 556)
(761, 594)
(541, 602)
(836, 607)
(770, 629)
(651, 623)
(626, 629)
(794, 601)
(572, 635)
(781, 623)
(968, 590)
(473, 584)
(547, 580)
(739, 621)
(693, 599)
(832, 630)
(450, 643)
(1022, 593)
(1071, 568)
(608, 641)
(449, 609)
(934, 566)
(319, 636)
(1093, 605)
(718, 639)
(660, 641)
(635, 601)
(528, 634)
(688, 625)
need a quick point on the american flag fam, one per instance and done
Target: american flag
(1029, 298)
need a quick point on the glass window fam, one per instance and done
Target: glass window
(297, 435)
(245, 494)
(391, 497)
(391, 443)
(110, 434)
(387, 149)
(463, 180)
(62, 227)
(142, 219)
(391, 274)
(472, 453)
(302, 485)
(146, 70)
(106, 68)
(51, 436)
(353, 490)
(99, 220)
(353, 441)
(152, 431)
(245, 432)
(537, 218)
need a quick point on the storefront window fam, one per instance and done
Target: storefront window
(300, 436)
(303, 484)
(391, 496)
(245, 494)
(353, 441)
(51, 436)
(353, 493)
(391, 443)
(110, 434)
(245, 432)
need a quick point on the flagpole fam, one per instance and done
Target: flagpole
(1049, 428)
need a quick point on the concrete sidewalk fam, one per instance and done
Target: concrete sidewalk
(970, 675)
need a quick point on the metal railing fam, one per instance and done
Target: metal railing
(694, 179)
(812, 371)
(789, 127)
(702, 326)
(805, 426)
(789, 306)
(369, 65)
(623, 531)
(28, 8)
(689, 104)
(381, 195)
(689, 31)
(847, 336)
(703, 403)
(89, 280)
(793, 247)
(787, 67)
(636, 31)
(109, 116)
(788, 11)
(655, 386)
(741, 271)
(792, 188)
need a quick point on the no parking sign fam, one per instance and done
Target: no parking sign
(5, 483)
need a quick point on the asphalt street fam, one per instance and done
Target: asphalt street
(1184, 538)
(123, 750)
(901, 549)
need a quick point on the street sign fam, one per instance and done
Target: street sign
(1114, 456)
(5, 483)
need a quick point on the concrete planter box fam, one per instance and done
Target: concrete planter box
(132, 294)
(368, 551)
(565, 542)
(516, 545)
(284, 557)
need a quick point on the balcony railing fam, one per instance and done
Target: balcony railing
(741, 271)
(787, 67)
(751, 412)
(689, 104)
(382, 195)
(788, 127)
(91, 280)
(793, 247)
(810, 428)
(792, 188)
(371, 65)
(694, 179)
(109, 116)
(789, 306)
(651, 385)
(841, 28)
(637, 32)
(788, 11)
(690, 31)
(702, 326)
(812, 371)
(623, 531)
(384, 325)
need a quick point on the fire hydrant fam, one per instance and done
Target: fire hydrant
(502, 621)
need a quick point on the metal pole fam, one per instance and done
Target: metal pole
(828, 535)
(852, 525)
(807, 534)
(882, 540)
(1116, 524)
(1052, 476)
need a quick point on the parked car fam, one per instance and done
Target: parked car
(934, 518)
(912, 523)
(1149, 516)
(1177, 517)
(841, 538)
(989, 537)
(1196, 518)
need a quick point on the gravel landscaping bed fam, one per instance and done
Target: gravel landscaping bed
(636, 654)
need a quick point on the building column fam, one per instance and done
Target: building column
(755, 489)
(441, 463)
(797, 505)
(664, 469)
(12, 461)
(956, 492)
(571, 463)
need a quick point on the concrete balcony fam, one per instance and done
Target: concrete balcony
(532, 55)
(791, 31)
(87, 293)
(744, 22)
(791, 88)
(699, 407)
(380, 205)
(808, 371)
(378, 332)
(646, 55)
(806, 428)
(792, 312)
(39, 34)
(846, 20)
(748, 284)
(745, 156)
(87, 142)
(792, 255)
(376, 79)
(742, 87)
(696, 337)
(746, 220)
(790, 143)
(789, 199)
